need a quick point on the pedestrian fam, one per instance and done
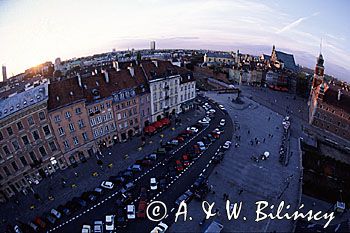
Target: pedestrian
(264, 140)
(224, 196)
(240, 192)
(248, 131)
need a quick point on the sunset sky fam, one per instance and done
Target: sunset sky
(32, 32)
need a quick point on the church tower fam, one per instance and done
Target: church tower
(319, 72)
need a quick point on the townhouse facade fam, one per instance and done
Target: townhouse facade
(29, 151)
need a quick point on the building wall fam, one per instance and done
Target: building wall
(73, 132)
(165, 97)
(187, 94)
(101, 120)
(29, 150)
(126, 115)
(145, 109)
(218, 59)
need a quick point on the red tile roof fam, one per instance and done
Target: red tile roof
(331, 97)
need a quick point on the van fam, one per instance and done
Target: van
(214, 227)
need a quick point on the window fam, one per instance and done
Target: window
(71, 127)
(75, 140)
(81, 123)
(155, 107)
(1, 136)
(14, 166)
(77, 111)
(53, 146)
(25, 140)
(23, 161)
(130, 112)
(93, 121)
(136, 120)
(68, 115)
(102, 106)
(42, 151)
(134, 110)
(46, 130)
(7, 171)
(90, 111)
(96, 108)
(6, 150)
(32, 156)
(9, 131)
(15, 145)
(85, 136)
(108, 104)
(30, 120)
(131, 122)
(60, 131)
(20, 126)
(119, 116)
(41, 116)
(35, 135)
(57, 118)
(66, 145)
(99, 119)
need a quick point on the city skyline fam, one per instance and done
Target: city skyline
(34, 32)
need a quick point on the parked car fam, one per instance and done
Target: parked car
(141, 210)
(73, 206)
(199, 182)
(222, 107)
(151, 157)
(79, 201)
(160, 151)
(174, 142)
(49, 218)
(33, 226)
(192, 129)
(107, 185)
(130, 212)
(222, 122)
(184, 197)
(196, 149)
(56, 213)
(117, 179)
(120, 221)
(86, 229)
(98, 226)
(109, 222)
(160, 228)
(204, 121)
(146, 162)
(64, 210)
(180, 139)
(201, 146)
(162, 183)
(186, 160)
(98, 191)
(153, 184)
(179, 166)
(135, 168)
(89, 196)
(129, 186)
(41, 223)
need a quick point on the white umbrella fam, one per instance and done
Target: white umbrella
(267, 154)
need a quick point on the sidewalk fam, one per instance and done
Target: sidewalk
(85, 181)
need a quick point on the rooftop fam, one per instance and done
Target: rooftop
(288, 60)
(23, 100)
(219, 55)
(331, 97)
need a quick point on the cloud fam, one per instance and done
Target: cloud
(296, 23)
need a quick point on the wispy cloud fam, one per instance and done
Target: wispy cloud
(296, 23)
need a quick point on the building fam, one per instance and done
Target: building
(153, 45)
(329, 103)
(225, 58)
(187, 90)
(29, 150)
(4, 73)
(281, 60)
(70, 120)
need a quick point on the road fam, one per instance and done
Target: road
(175, 187)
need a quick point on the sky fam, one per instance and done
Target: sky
(35, 31)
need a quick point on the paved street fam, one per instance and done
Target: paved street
(85, 181)
(245, 180)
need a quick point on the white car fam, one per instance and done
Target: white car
(218, 131)
(222, 122)
(86, 229)
(201, 146)
(153, 184)
(107, 185)
(193, 129)
(203, 121)
(227, 145)
(207, 118)
(212, 110)
(130, 211)
(110, 222)
(56, 213)
(222, 107)
(98, 227)
(160, 228)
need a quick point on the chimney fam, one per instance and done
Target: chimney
(79, 80)
(155, 62)
(132, 71)
(106, 75)
(339, 94)
(116, 65)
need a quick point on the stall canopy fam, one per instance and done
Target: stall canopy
(149, 129)
(165, 121)
(157, 124)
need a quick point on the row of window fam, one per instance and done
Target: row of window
(67, 115)
(126, 114)
(24, 160)
(98, 108)
(126, 124)
(164, 84)
(99, 119)
(104, 130)
(189, 86)
(166, 103)
(76, 140)
(20, 125)
(125, 104)
(187, 96)
(25, 140)
(71, 127)
(124, 95)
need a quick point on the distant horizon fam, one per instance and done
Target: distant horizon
(37, 30)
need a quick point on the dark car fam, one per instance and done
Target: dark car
(49, 218)
(179, 166)
(79, 201)
(184, 197)
(127, 175)
(73, 206)
(172, 172)
(40, 222)
(117, 179)
(143, 194)
(146, 162)
(89, 196)
(162, 184)
(141, 212)
(64, 210)
(120, 218)
(160, 151)
(199, 182)
(211, 138)
(186, 160)
(120, 203)
(180, 139)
